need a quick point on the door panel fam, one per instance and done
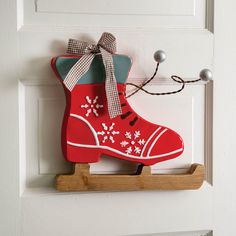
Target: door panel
(151, 13)
(44, 106)
(40, 31)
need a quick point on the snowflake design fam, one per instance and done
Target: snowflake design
(92, 106)
(124, 143)
(129, 150)
(133, 142)
(108, 132)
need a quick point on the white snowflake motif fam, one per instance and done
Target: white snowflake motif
(133, 142)
(92, 106)
(108, 133)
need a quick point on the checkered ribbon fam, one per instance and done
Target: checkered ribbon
(106, 46)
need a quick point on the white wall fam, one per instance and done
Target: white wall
(224, 119)
(9, 146)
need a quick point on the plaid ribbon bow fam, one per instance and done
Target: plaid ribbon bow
(106, 46)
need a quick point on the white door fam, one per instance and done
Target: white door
(195, 34)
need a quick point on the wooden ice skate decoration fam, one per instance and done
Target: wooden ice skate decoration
(82, 180)
(99, 120)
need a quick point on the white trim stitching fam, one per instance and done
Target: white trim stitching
(89, 125)
(155, 140)
(150, 137)
(121, 153)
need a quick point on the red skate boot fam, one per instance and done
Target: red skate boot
(88, 131)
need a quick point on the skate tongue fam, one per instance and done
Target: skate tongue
(106, 46)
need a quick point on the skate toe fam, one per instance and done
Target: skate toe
(168, 144)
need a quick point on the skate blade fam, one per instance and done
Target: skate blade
(82, 180)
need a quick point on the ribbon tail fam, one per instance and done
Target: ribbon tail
(78, 70)
(113, 100)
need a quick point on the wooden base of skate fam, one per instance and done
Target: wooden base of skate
(82, 180)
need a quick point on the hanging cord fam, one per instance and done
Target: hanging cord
(173, 77)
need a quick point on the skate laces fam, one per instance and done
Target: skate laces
(175, 78)
(128, 113)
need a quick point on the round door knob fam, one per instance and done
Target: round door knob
(160, 56)
(206, 75)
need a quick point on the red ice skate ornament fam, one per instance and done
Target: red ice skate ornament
(99, 120)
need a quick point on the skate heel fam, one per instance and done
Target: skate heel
(82, 154)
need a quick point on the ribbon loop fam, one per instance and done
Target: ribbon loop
(106, 46)
(108, 42)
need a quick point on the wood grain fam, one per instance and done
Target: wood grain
(82, 180)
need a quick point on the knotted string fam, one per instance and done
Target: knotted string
(175, 78)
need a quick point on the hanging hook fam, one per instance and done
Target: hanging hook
(160, 56)
(205, 75)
